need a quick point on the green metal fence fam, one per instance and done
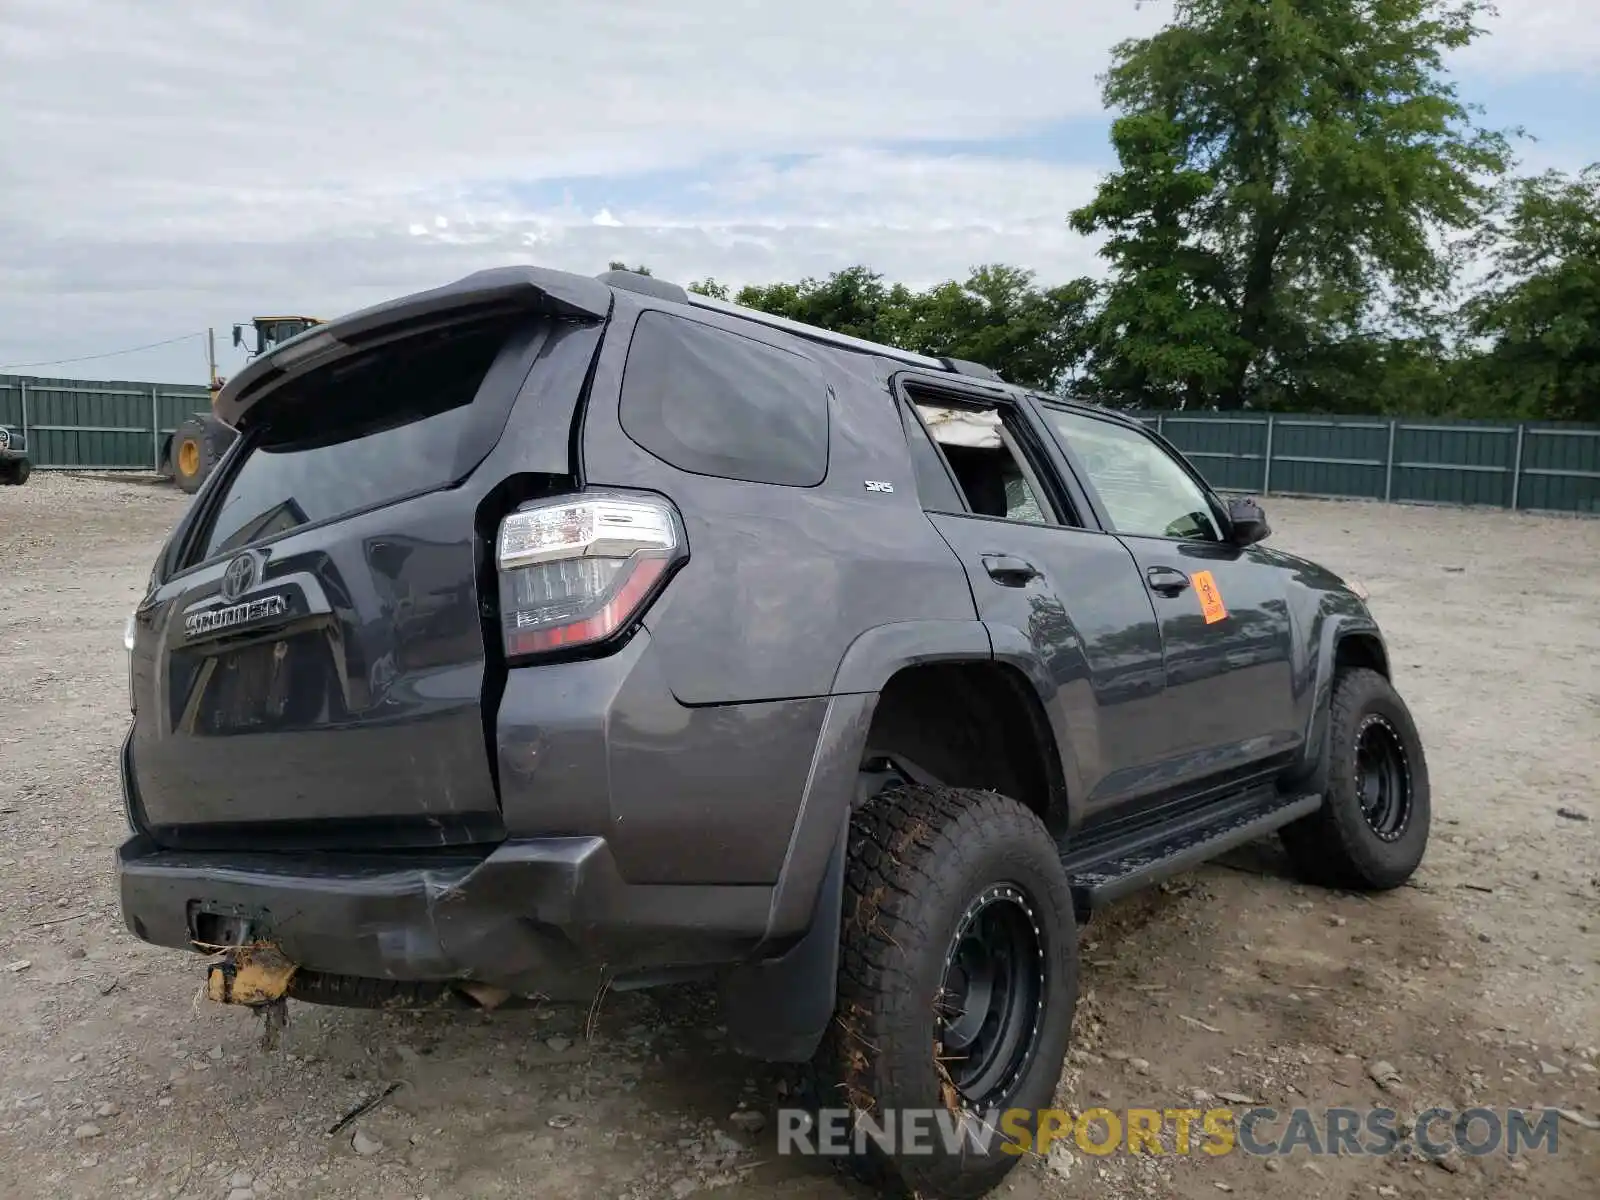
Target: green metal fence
(1539, 466)
(73, 424)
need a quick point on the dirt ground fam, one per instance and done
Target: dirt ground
(1480, 984)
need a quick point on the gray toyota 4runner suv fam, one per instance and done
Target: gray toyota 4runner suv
(542, 633)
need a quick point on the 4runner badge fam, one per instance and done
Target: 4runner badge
(215, 620)
(879, 485)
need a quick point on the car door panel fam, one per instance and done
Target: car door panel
(1082, 610)
(1230, 679)
(1064, 603)
(1230, 695)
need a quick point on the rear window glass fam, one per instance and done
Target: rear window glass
(354, 438)
(717, 403)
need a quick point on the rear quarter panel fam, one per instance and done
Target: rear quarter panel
(781, 580)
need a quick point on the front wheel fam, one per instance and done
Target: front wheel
(15, 473)
(1372, 829)
(957, 983)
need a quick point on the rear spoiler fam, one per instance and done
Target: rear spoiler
(501, 291)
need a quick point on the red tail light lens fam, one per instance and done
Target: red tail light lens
(574, 571)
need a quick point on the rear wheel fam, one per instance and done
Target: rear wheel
(190, 455)
(957, 983)
(15, 473)
(1372, 829)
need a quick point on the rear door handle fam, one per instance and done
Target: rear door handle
(1166, 580)
(1008, 571)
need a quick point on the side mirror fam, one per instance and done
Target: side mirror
(1247, 522)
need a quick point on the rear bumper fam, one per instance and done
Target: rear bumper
(548, 915)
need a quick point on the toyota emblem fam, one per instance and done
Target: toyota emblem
(239, 578)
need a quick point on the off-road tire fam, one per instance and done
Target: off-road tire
(15, 473)
(918, 859)
(1336, 846)
(191, 455)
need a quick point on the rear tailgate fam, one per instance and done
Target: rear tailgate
(312, 672)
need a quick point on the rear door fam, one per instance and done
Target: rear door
(1068, 597)
(1225, 628)
(312, 671)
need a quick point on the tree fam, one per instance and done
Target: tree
(616, 264)
(853, 301)
(1286, 169)
(1540, 307)
(998, 316)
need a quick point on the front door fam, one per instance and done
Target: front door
(1223, 610)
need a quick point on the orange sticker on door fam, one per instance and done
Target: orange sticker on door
(1211, 606)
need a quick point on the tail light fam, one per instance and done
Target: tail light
(574, 571)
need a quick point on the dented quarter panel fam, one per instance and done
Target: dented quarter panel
(582, 748)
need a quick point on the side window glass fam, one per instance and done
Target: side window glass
(1145, 491)
(934, 488)
(988, 465)
(717, 403)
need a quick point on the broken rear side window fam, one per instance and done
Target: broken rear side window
(986, 461)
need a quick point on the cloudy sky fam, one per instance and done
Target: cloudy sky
(169, 165)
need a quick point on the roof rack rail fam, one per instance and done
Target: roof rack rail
(815, 333)
(660, 289)
(644, 285)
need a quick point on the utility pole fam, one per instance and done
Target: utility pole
(213, 384)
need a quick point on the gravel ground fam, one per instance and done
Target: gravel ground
(1480, 984)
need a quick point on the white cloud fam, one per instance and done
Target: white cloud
(1538, 37)
(289, 98)
(179, 163)
(173, 165)
(917, 219)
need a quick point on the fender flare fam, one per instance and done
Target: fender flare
(778, 1007)
(877, 654)
(871, 660)
(1015, 649)
(1337, 627)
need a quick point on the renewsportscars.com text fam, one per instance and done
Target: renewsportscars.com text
(1258, 1131)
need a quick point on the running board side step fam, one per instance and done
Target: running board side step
(1104, 870)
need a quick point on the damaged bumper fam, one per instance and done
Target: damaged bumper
(547, 916)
